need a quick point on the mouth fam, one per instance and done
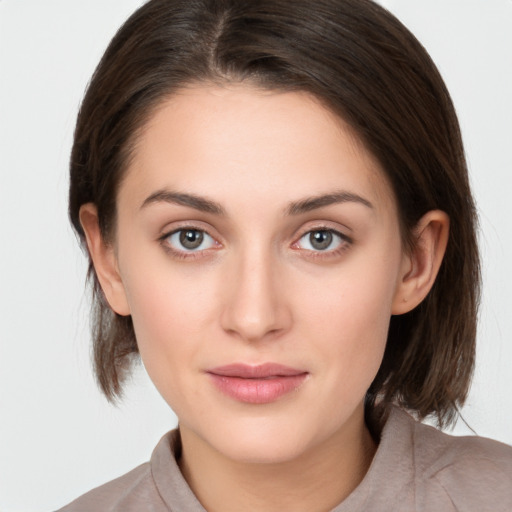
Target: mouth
(259, 384)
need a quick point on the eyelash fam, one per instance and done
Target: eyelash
(344, 242)
(183, 254)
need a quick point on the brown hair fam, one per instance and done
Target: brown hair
(362, 63)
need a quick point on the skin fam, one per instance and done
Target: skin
(258, 291)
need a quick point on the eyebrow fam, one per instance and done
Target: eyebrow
(198, 203)
(295, 208)
(312, 203)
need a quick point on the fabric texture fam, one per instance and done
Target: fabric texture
(416, 468)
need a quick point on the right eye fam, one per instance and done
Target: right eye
(189, 240)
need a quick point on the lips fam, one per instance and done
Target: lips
(259, 384)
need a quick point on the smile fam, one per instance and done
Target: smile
(257, 384)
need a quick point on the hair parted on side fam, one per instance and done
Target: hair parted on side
(366, 67)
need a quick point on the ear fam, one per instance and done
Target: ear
(420, 266)
(104, 260)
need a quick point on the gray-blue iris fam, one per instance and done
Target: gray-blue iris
(320, 240)
(191, 238)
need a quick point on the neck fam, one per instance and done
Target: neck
(317, 480)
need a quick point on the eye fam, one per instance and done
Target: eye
(321, 240)
(190, 240)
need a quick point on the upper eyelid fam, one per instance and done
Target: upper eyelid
(323, 227)
(167, 230)
(344, 238)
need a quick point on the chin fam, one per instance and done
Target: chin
(263, 450)
(261, 440)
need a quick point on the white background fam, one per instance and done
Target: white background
(58, 436)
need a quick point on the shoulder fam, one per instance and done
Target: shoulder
(138, 489)
(157, 486)
(473, 473)
(127, 493)
(440, 454)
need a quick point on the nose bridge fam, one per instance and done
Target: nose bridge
(255, 306)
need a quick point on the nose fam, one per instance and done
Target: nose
(255, 306)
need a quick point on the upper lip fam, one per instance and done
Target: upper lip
(261, 371)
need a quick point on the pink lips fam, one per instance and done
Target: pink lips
(257, 384)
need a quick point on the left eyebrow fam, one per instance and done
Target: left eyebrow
(312, 203)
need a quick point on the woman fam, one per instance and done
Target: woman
(275, 203)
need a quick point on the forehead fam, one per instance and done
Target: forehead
(242, 140)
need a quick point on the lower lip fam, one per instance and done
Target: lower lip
(258, 391)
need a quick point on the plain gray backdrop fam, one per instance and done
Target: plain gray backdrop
(58, 436)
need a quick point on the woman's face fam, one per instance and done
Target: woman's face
(260, 256)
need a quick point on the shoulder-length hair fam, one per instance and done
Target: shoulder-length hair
(367, 68)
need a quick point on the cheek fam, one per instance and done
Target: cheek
(352, 329)
(171, 311)
(348, 315)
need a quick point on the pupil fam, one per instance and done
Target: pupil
(320, 240)
(191, 239)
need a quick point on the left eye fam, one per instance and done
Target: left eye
(190, 240)
(321, 240)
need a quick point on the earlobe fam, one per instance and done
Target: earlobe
(104, 260)
(421, 266)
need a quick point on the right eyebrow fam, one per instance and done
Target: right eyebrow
(202, 204)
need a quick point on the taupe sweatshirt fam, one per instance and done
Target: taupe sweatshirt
(416, 468)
